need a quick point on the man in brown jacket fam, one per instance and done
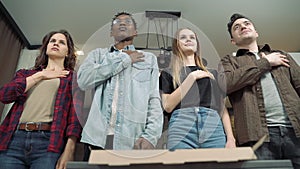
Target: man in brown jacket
(263, 86)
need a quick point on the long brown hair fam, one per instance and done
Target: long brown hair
(178, 56)
(70, 59)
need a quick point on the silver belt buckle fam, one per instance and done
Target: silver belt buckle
(26, 126)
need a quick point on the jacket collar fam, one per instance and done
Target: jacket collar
(129, 47)
(264, 48)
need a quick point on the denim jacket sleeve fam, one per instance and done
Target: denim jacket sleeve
(154, 121)
(99, 66)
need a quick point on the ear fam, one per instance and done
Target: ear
(232, 41)
(257, 35)
(135, 33)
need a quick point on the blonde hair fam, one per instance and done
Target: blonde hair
(178, 56)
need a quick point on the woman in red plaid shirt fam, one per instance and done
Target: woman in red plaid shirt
(41, 128)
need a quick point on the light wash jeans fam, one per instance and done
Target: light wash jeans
(195, 127)
(28, 150)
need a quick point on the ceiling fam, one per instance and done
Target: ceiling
(277, 21)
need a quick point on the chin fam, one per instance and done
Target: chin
(188, 49)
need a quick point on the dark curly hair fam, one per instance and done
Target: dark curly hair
(70, 60)
(123, 13)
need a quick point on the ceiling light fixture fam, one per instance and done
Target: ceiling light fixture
(165, 23)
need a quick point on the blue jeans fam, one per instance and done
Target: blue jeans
(283, 145)
(195, 127)
(28, 150)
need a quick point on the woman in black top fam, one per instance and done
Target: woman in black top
(191, 93)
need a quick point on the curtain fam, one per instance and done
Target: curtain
(10, 48)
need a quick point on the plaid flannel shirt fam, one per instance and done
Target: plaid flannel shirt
(68, 105)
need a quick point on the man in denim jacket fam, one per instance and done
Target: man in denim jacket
(126, 103)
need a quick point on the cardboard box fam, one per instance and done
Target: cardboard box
(248, 164)
(166, 157)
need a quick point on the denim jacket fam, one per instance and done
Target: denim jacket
(139, 112)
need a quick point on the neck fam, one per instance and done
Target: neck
(253, 47)
(121, 45)
(189, 60)
(57, 64)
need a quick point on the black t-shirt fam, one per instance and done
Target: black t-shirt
(205, 92)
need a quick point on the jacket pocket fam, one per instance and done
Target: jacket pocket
(141, 72)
